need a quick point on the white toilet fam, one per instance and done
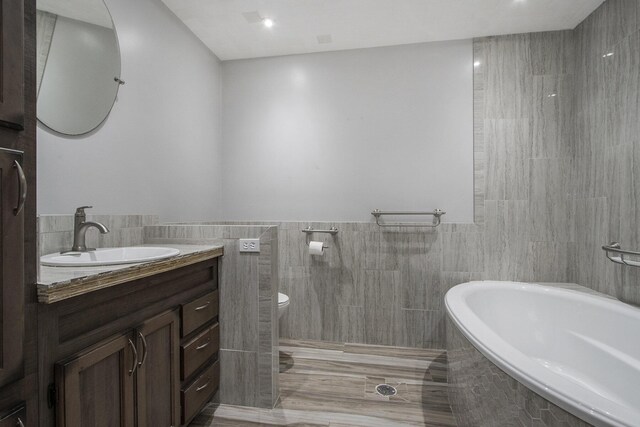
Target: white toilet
(283, 303)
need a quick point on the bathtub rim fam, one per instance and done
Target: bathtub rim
(514, 363)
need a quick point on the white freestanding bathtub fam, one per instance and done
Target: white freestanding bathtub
(578, 350)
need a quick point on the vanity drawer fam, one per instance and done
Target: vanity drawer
(199, 350)
(198, 312)
(199, 392)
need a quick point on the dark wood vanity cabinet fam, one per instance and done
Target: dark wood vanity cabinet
(199, 351)
(18, 259)
(12, 187)
(96, 387)
(157, 378)
(132, 373)
(116, 356)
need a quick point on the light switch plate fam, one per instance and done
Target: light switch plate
(249, 245)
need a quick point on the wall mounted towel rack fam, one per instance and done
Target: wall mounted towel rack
(614, 248)
(437, 213)
(333, 231)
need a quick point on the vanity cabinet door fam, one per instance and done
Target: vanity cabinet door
(95, 387)
(12, 190)
(158, 377)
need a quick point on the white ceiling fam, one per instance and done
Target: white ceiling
(304, 26)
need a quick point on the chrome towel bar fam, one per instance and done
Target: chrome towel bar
(614, 247)
(437, 213)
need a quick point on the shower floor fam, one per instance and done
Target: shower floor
(328, 384)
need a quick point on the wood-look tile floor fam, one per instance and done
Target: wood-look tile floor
(327, 384)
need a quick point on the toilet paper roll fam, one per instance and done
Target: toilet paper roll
(316, 248)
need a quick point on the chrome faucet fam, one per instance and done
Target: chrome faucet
(80, 227)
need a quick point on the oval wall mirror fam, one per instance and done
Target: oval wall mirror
(78, 72)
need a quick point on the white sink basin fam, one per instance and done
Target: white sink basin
(108, 256)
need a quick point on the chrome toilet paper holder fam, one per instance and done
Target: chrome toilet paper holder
(309, 231)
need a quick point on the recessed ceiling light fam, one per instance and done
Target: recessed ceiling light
(268, 23)
(476, 64)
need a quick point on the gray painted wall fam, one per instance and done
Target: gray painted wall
(331, 136)
(159, 151)
(386, 286)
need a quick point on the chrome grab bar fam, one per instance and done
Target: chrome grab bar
(333, 231)
(437, 213)
(614, 247)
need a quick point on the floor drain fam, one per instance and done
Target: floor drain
(386, 390)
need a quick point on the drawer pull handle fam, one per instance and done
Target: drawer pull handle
(135, 358)
(144, 349)
(201, 346)
(202, 387)
(22, 189)
(202, 307)
(20, 423)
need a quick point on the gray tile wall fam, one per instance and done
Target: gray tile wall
(526, 91)
(373, 285)
(560, 140)
(56, 231)
(584, 192)
(248, 307)
(606, 162)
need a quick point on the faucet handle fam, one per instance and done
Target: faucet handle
(80, 210)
